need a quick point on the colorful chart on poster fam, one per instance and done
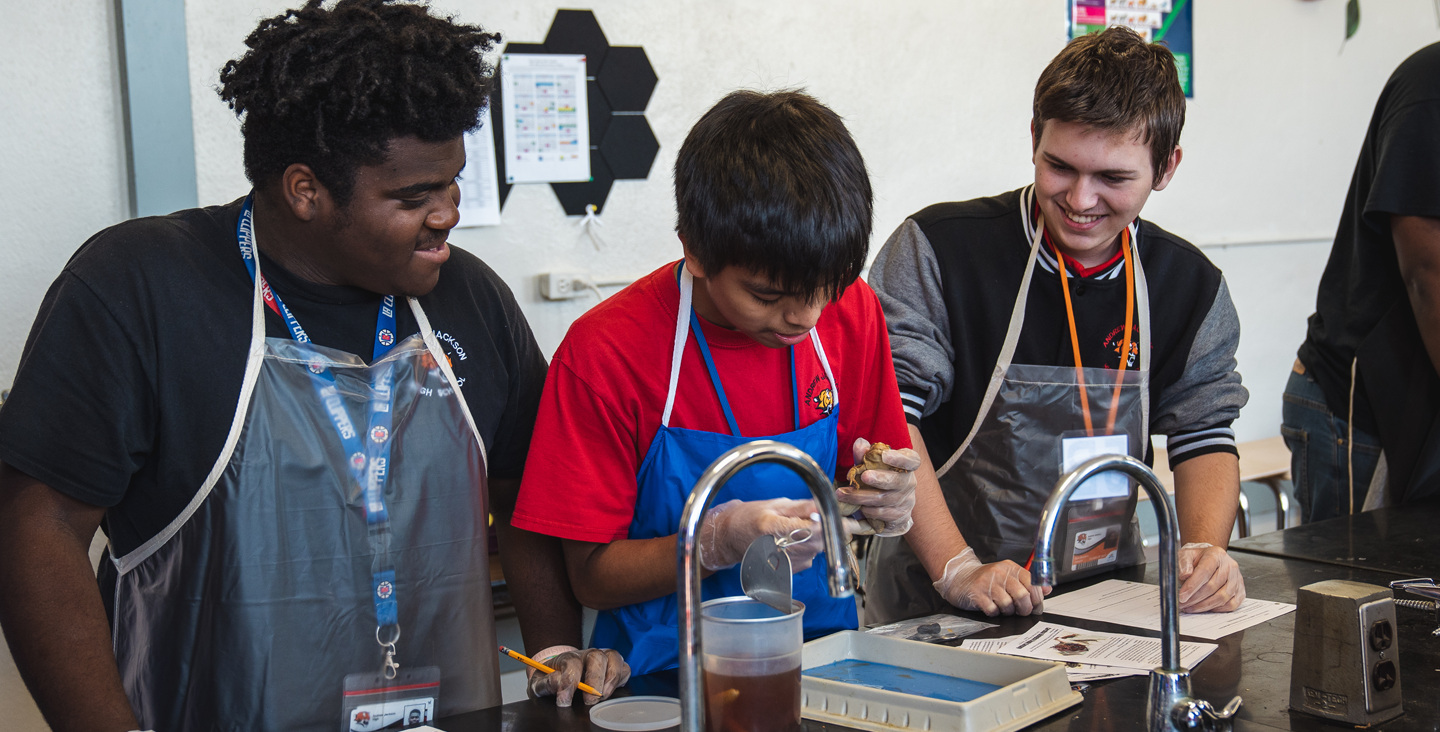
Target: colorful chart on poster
(1159, 21)
(547, 128)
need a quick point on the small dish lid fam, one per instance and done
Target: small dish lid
(637, 713)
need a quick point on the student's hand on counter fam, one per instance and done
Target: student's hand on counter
(602, 668)
(890, 496)
(729, 528)
(1000, 588)
(1210, 580)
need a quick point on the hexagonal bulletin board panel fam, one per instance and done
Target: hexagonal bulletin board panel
(623, 147)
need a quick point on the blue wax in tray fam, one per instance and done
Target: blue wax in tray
(904, 680)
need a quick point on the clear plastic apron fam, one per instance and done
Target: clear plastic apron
(997, 482)
(248, 611)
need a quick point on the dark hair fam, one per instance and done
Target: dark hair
(331, 88)
(774, 183)
(1113, 80)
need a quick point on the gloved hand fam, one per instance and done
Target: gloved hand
(728, 529)
(1001, 588)
(1210, 580)
(890, 496)
(602, 668)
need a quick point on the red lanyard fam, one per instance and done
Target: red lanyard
(1075, 340)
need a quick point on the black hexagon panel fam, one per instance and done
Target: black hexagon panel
(621, 80)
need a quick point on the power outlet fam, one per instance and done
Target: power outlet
(561, 285)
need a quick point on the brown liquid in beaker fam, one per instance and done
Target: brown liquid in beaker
(752, 703)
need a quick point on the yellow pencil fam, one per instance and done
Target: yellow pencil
(542, 668)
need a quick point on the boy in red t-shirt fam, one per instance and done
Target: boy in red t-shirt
(763, 331)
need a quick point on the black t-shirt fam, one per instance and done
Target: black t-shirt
(129, 380)
(1398, 173)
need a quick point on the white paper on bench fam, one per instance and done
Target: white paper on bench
(1138, 605)
(1073, 671)
(1104, 649)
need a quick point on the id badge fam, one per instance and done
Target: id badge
(1075, 451)
(372, 702)
(1094, 541)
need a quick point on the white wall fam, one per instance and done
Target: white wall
(937, 95)
(62, 154)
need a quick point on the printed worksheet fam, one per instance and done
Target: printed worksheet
(1050, 642)
(547, 118)
(479, 183)
(1138, 605)
(1074, 670)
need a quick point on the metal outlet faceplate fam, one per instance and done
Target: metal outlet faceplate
(1380, 655)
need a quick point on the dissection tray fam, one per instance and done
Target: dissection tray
(880, 683)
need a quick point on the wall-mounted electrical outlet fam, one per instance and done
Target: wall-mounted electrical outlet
(562, 285)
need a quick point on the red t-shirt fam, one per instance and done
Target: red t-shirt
(605, 394)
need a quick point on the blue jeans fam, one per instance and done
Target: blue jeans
(1319, 464)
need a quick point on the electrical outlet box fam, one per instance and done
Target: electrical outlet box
(561, 285)
(1345, 665)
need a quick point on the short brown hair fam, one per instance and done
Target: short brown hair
(1115, 81)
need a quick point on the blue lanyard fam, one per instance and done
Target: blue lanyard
(369, 452)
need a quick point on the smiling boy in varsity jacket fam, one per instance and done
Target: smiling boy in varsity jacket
(1038, 326)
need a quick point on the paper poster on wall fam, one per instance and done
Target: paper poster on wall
(1167, 21)
(479, 186)
(547, 120)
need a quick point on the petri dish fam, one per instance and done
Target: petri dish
(637, 713)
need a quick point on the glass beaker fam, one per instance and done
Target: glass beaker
(751, 657)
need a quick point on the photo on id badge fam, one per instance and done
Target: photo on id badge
(1096, 513)
(373, 702)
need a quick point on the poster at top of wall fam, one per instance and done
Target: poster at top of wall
(1158, 21)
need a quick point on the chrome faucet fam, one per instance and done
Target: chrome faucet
(687, 549)
(1169, 706)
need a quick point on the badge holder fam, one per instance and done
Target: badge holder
(1098, 515)
(391, 698)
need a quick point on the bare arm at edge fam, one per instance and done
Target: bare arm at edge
(539, 585)
(623, 572)
(51, 611)
(1417, 247)
(934, 538)
(1207, 495)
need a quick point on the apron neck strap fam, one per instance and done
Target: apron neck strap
(687, 320)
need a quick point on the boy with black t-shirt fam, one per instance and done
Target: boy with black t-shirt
(1041, 325)
(285, 411)
(1365, 378)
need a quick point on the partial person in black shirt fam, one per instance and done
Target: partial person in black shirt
(1362, 407)
(1053, 320)
(159, 397)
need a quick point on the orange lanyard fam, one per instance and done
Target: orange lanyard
(1075, 340)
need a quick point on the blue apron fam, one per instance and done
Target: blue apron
(647, 633)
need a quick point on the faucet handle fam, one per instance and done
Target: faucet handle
(1198, 714)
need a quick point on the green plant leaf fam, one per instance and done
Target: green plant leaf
(1352, 18)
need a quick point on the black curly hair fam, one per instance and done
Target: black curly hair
(331, 88)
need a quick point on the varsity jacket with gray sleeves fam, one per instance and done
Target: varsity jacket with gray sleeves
(948, 278)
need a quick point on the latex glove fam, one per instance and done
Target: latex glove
(602, 668)
(1210, 580)
(728, 529)
(1001, 588)
(890, 496)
